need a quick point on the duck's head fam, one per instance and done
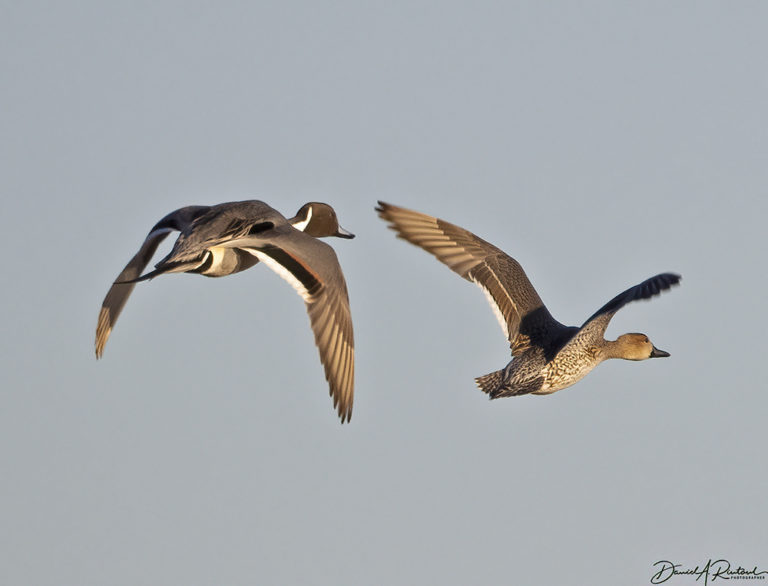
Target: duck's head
(637, 347)
(318, 220)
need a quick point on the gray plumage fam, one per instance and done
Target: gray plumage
(227, 238)
(548, 356)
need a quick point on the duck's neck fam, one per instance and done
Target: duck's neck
(303, 223)
(611, 349)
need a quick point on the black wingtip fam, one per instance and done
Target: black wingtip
(672, 278)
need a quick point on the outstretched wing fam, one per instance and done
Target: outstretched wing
(312, 268)
(502, 279)
(598, 322)
(118, 294)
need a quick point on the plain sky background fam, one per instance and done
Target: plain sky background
(599, 143)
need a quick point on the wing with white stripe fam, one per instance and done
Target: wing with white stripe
(312, 268)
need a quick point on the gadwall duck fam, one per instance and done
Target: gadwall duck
(548, 356)
(227, 238)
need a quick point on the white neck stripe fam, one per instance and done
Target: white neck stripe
(302, 225)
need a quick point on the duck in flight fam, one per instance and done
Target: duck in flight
(227, 238)
(547, 355)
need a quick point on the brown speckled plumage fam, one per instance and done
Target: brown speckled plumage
(548, 356)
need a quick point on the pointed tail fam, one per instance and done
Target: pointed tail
(149, 275)
(490, 383)
(161, 268)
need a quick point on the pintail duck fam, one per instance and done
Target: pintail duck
(227, 238)
(547, 355)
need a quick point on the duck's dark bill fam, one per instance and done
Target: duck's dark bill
(342, 233)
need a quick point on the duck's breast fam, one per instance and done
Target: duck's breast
(569, 366)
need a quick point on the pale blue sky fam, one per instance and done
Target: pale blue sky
(597, 143)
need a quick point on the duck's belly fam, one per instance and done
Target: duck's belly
(226, 261)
